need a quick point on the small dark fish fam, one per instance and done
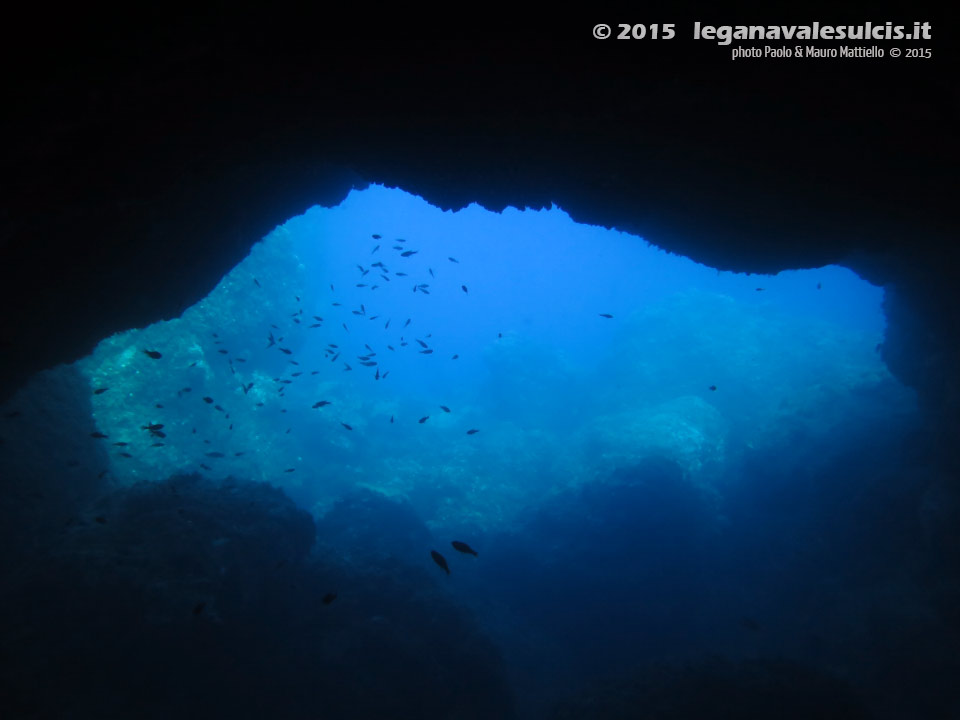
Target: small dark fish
(408, 253)
(361, 284)
(606, 315)
(464, 288)
(423, 419)
(332, 345)
(345, 327)
(99, 435)
(431, 272)
(271, 343)
(240, 359)
(158, 444)
(440, 560)
(246, 388)
(222, 351)
(422, 343)
(296, 374)
(377, 247)
(208, 400)
(100, 391)
(369, 363)
(818, 286)
(320, 404)
(285, 351)
(391, 419)
(376, 237)
(445, 408)
(346, 426)
(257, 282)
(500, 336)
(318, 318)
(390, 347)
(400, 274)
(315, 325)
(334, 358)
(335, 304)
(217, 407)
(426, 352)
(346, 367)
(126, 455)
(453, 260)
(472, 431)
(407, 322)
(214, 454)
(206, 467)
(760, 289)
(100, 519)
(377, 264)
(152, 427)
(454, 357)
(158, 433)
(198, 608)
(152, 354)
(238, 454)
(398, 247)
(712, 387)
(290, 470)
(384, 376)
(400, 240)
(330, 596)
(463, 547)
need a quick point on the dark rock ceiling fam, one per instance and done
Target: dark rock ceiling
(142, 164)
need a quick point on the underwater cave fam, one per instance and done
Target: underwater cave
(475, 390)
(677, 450)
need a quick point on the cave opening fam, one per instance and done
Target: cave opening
(608, 457)
(473, 363)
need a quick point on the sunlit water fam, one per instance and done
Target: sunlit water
(694, 365)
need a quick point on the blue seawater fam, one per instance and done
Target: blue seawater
(672, 477)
